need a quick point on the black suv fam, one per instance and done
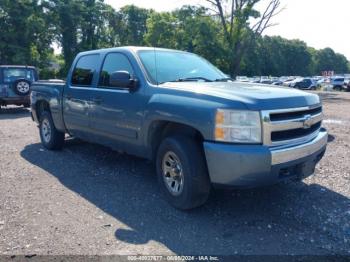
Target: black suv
(15, 83)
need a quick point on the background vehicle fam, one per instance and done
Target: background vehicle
(337, 83)
(304, 83)
(242, 79)
(347, 84)
(320, 82)
(288, 82)
(200, 127)
(278, 81)
(15, 83)
(265, 80)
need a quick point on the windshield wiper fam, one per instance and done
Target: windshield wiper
(225, 79)
(196, 78)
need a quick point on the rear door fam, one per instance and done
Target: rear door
(77, 95)
(116, 112)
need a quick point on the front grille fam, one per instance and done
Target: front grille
(293, 115)
(278, 136)
(291, 125)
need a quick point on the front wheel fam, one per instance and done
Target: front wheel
(51, 138)
(182, 172)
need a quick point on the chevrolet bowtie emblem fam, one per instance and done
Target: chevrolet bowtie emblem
(307, 122)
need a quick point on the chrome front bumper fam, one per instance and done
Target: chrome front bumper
(288, 154)
(258, 165)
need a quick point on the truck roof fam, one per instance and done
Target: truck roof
(133, 49)
(17, 66)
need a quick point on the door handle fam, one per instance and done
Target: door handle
(97, 100)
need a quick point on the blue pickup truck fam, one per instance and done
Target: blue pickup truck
(200, 127)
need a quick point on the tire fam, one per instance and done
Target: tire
(51, 138)
(193, 184)
(22, 87)
(337, 88)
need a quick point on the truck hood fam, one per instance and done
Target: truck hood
(253, 96)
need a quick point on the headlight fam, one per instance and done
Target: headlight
(237, 126)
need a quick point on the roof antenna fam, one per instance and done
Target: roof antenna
(155, 64)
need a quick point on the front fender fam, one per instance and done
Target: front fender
(194, 112)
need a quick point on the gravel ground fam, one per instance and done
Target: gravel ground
(88, 199)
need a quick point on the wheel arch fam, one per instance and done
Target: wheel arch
(42, 106)
(160, 129)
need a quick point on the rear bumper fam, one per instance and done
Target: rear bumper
(15, 100)
(253, 166)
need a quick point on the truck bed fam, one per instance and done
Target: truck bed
(50, 91)
(48, 83)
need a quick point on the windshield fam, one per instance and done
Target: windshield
(172, 66)
(12, 74)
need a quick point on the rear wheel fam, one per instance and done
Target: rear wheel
(51, 138)
(182, 172)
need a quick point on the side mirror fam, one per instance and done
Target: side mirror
(122, 79)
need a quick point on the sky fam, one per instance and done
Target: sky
(320, 23)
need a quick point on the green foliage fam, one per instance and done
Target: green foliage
(278, 56)
(30, 27)
(188, 29)
(327, 60)
(79, 25)
(133, 24)
(25, 35)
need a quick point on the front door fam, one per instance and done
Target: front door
(117, 113)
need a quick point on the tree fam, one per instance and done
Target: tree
(228, 34)
(82, 25)
(67, 17)
(161, 30)
(285, 57)
(133, 26)
(239, 33)
(25, 33)
(327, 60)
(188, 28)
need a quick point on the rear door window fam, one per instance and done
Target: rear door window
(84, 70)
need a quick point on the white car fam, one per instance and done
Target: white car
(337, 83)
(242, 79)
